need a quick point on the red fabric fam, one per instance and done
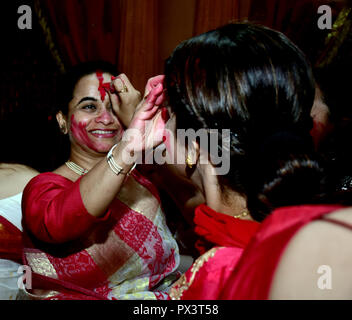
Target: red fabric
(147, 184)
(10, 241)
(210, 273)
(220, 229)
(103, 248)
(212, 277)
(69, 291)
(235, 273)
(320, 131)
(124, 33)
(49, 215)
(252, 277)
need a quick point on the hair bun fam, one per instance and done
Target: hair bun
(286, 173)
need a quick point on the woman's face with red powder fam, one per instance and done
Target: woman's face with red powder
(92, 122)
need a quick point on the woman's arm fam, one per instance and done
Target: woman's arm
(53, 210)
(57, 210)
(100, 186)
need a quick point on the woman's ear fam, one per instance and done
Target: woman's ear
(62, 121)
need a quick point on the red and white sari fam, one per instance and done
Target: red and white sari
(10, 246)
(128, 254)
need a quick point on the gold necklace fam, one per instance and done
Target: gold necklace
(242, 215)
(76, 168)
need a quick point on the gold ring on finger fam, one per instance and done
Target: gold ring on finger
(124, 89)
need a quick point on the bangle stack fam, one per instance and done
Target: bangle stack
(114, 166)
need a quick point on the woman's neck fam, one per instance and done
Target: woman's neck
(231, 203)
(86, 160)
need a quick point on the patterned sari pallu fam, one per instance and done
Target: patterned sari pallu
(129, 255)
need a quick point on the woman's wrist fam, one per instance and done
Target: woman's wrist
(119, 158)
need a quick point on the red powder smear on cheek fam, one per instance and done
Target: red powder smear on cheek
(80, 134)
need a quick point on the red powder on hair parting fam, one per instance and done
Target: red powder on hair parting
(104, 87)
(101, 87)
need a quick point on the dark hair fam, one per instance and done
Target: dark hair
(68, 81)
(257, 83)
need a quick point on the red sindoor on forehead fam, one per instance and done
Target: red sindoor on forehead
(104, 87)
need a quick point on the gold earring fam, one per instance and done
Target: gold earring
(189, 162)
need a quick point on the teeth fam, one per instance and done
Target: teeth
(102, 132)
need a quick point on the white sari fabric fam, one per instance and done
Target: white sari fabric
(8, 279)
(10, 212)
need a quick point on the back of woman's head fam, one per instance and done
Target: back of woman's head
(257, 83)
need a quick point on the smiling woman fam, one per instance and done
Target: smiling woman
(91, 117)
(97, 232)
(93, 122)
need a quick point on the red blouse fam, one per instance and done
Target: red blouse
(253, 275)
(51, 212)
(228, 237)
(245, 266)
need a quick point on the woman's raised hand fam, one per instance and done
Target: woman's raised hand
(146, 129)
(129, 98)
(152, 83)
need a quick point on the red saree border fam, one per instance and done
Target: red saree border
(11, 227)
(47, 283)
(14, 254)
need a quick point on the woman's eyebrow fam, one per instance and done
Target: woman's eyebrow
(86, 99)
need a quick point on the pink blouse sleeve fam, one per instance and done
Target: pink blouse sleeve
(53, 210)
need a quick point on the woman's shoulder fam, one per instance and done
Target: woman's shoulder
(47, 180)
(17, 169)
(14, 178)
(319, 249)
